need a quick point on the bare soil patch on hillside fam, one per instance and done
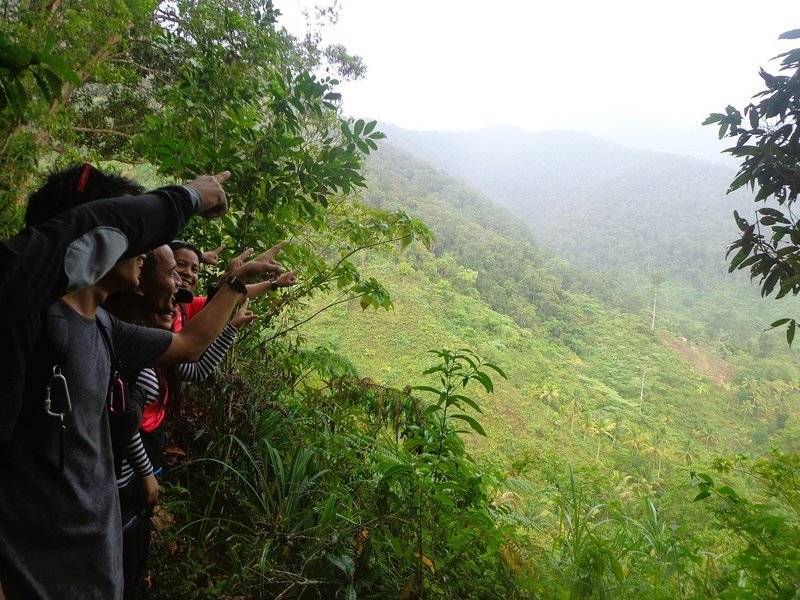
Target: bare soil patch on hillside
(716, 369)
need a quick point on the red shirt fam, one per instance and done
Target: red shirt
(186, 312)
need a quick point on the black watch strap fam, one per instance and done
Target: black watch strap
(237, 284)
(273, 285)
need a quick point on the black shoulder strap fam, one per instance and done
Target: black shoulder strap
(106, 327)
(57, 332)
(184, 314)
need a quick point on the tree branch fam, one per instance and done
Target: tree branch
(304, 321)
(96, 130)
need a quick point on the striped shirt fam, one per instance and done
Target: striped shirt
(135, 462)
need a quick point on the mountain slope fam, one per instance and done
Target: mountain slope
(584, 380)
(621, 214)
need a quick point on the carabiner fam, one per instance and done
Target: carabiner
(57, 378)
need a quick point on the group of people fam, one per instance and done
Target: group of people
(99, 328)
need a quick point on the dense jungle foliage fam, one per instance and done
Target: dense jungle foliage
(351, 447)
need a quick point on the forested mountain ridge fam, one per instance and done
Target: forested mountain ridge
(623, 215)
(593, 200)
(594, 398)
(488, 286)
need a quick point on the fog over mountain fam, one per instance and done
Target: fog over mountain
(593, 200)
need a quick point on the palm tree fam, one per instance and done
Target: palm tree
(636, 438)
(655, 447)
(595, 429)
(609, 428)
(656, 278)
(706, 435)
(687, 454)
(547, 393)
(573, 408)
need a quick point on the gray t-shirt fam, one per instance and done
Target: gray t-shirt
(60, 531)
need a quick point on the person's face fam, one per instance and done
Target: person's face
(124, 275)
(159, 282)
(188, 268)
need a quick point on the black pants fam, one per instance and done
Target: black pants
(137, 525)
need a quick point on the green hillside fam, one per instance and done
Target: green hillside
(620, 215)
(590, 390)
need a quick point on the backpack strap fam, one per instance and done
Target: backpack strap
(57, 333)
(116, 386)
(106, 327)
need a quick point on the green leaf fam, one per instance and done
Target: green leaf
(344, 563)
(485, 381)
(497, 369)
(728, 491)
(427, 388)
(466, 400)
(713, 118)
(60, 67)
(701, 496)
(395, 469)
(429, 410)
(753, 116)
(471, 421)
(740, 256)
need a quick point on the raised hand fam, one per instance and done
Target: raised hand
(243, 315)
(215, 204)
(268, 258)
(238, 261)
(211, 257)
(287, 279)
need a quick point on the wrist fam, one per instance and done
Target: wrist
(236, 284)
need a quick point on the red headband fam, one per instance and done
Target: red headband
(84, 178)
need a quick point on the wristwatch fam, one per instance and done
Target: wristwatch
(273, 285)
(237, 284)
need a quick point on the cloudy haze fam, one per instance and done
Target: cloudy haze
(643, 73)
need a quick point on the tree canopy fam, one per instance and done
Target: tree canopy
(768, 143)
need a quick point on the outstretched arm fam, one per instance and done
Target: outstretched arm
(211, 357)
(78, 247)
(189, 343)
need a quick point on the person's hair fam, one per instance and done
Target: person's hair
(149, 264)
(181, 245)
(74, 186)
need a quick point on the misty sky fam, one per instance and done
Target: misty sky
(643, 73)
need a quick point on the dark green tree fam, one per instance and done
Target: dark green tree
(768, 143)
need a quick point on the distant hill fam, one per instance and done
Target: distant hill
(621, 214)
(588, 384)
(593, 201)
